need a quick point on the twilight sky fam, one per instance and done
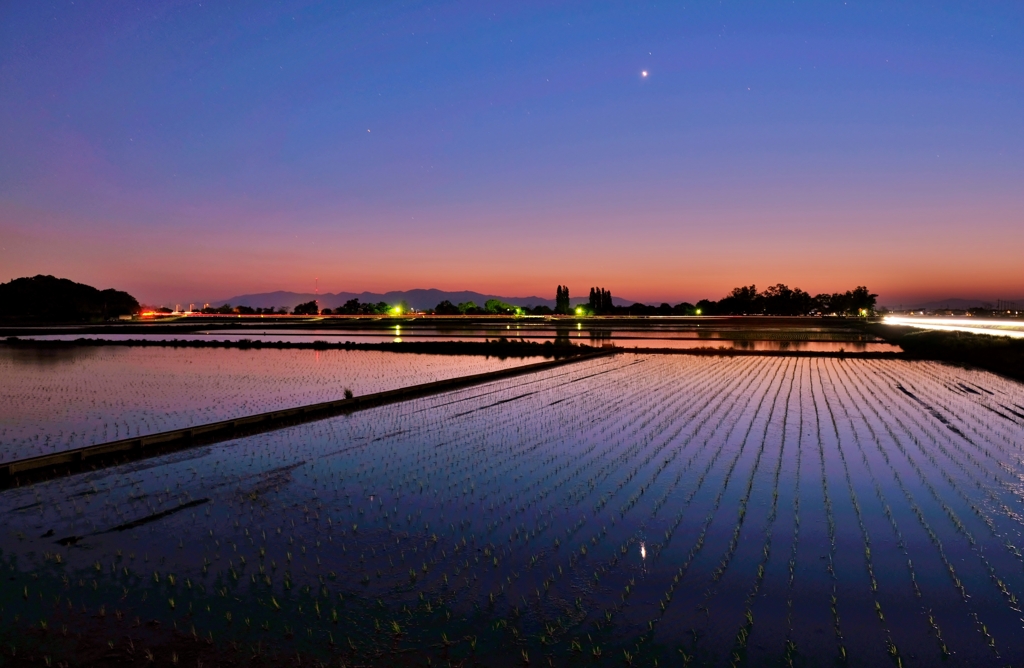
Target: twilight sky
(196, 150)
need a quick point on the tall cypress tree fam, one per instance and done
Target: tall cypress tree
(562, 299)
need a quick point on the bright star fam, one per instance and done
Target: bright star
(644, 73)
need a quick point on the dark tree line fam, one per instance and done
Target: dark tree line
(50, 299)
(355, 307)
(778, 299)
(601, 301)
(228, 309)
(781, 300)
(490, 307)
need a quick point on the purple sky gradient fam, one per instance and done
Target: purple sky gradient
(192, 151)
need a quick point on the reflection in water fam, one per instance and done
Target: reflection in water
(764, 336)
(561, 335)
(52, 399)
(45, 357)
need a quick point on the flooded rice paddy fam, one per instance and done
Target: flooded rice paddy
(631, 510)
(652, 333)
(55, 399)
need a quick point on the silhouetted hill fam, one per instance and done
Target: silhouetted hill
(45, 298)
(419, 299)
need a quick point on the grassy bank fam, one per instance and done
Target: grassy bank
(999, 354)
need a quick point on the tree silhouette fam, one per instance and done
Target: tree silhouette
(47, 298)
(562, 300)
(446, 308)
(600, 302)
(307, 308)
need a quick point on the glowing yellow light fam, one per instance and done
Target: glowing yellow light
(698, 311)
(397, 310)
(579, 310)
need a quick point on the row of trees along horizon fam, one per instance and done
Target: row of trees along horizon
(52, 299)
(778, 299)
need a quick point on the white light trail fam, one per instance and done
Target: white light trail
(1011, 328)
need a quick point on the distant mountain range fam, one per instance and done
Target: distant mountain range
(418, 299)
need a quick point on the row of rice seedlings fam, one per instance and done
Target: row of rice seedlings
(999, 475)
(600, 572)
(960, 526)
(1000, 472)
(976, 482)
(936, 542)
(657, 547)
(718, 573)
(536, 468)
(614, 559)
(627, 588)
(660, 502)
(831, 526)
(974, 507)
(710, 409)
(944, 651)
(790, 644)
(1002, 434)
(891, 646)
(761, 395)
(511, 537)
(592, 484)
(951, 570)
(739, 652)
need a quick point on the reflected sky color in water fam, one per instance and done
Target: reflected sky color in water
(644, 504)
(56, 399)
(652, 334)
